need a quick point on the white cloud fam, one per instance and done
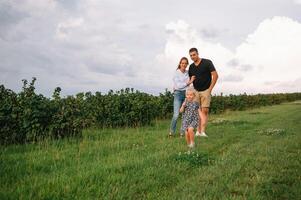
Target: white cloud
(63, 28)
(33, 7)
(274, 48)
(78, 50)
(90, 45)
(271, 53)
(297, 1)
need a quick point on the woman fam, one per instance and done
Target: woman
(181, 82)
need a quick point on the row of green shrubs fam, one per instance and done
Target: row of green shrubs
(221, 103)
(27, 116)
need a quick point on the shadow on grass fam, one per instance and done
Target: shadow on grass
(258, 113)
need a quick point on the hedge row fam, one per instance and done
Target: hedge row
(27, 116)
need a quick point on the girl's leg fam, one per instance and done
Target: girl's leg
(191, 135)
(187, 137)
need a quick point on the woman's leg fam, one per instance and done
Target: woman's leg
(182, 99)
(177, 102)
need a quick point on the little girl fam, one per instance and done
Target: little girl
(190, 117)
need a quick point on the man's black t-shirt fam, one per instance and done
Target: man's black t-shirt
(202, 74)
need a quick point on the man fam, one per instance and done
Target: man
(205, 79)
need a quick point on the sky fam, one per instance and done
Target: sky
(98, 45)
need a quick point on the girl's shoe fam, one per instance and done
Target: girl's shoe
(191, 145)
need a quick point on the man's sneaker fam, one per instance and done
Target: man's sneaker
(197, 134)
(202, 134)
(181, 135)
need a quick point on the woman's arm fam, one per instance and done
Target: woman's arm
(190, 80)
(183, 106)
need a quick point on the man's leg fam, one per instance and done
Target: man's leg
(205, 98)
(199, 100)
(200, 120)
(204, 119)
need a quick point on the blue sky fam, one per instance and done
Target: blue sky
(97, 45)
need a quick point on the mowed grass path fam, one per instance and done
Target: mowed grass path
(254, 154)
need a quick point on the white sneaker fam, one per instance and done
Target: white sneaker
(191, 145)
(197, 134)
(202, 134)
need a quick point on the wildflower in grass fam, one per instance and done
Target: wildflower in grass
(219, 121)
(272, 131)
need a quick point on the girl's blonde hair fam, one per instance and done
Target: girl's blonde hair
(191, 89)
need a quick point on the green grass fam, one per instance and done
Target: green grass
(254, 154)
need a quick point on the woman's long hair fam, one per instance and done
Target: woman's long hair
(183, 58)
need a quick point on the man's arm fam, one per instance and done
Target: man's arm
(214, 76)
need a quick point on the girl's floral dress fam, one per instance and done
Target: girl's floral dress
(190, 117)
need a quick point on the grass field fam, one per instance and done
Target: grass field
(254, 154)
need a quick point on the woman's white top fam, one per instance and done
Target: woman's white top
(180, 80)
